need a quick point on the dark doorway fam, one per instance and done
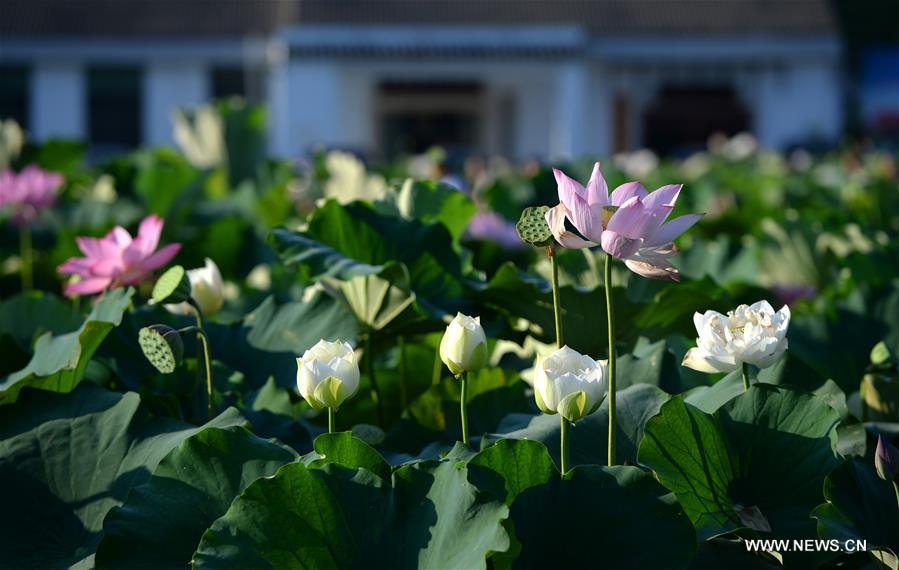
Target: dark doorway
(114, 107)
(14, 94)
(417, 116)
(681, 119)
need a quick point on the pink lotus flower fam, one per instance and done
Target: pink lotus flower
(116, 259)
(629, 224)
(27, 193)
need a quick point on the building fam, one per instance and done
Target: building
(523, 78)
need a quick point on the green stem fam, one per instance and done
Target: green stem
(463, 406)
(550, 251)
(27, 254)
(745, 377)
(370, 371)
(610, 311)
(207, 365)
(564, 452)
(203, 350)
(896, 489)
(331, 420)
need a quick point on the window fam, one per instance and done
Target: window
(14, 94)
(114, 107)
(681, 119)
(416, 116)
(228, 82)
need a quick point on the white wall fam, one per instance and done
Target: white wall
(58, 100)
(334, 103)
(799, 102)
(168, 85)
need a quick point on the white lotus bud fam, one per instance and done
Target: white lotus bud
(206, 288)
(569, 383)
(464, 345)
(752, 334)
(328, 374)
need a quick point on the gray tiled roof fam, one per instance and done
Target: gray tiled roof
(227, 18)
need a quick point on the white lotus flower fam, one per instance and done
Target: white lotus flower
(206, 287)
(753, 334)
(328, 374)
(569, 383)
(464, 345)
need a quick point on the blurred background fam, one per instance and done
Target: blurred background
(517, 78)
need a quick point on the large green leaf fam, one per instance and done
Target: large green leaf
(349, 451)
(860, 506)
(59, 362)
(353, 240)
(429, 201)
(162, 521)
(428, 516)
(27, 314)
(617, 517)
(589, 436)
(758, 462)
(66, 460)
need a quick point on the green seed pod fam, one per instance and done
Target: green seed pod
(162, 346)
(533, 229)
(173, 286)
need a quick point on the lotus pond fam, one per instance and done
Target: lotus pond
(215, 359)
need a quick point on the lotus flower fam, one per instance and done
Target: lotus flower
(116, 259)
(629, 224)
(569, 383)
(206, 287)
(463, 347)
(28, 192)
(753, 334)
(328, 374)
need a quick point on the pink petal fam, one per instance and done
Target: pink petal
(663, 270)
(573, 196)
(88, 286)
(669, 231)
(597, 189)
(150, 230)
(568, 186)
(161, 257)
(75, 266)
(634, 220)
(627, 191)
(119, 236)
(555, 217)
(665, 197)
(618, 245)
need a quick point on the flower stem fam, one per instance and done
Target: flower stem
(610, 312)
(896, 489)
(370, 371)
(27, 255)
(463, 406)
(331, 420)
(565, 439)
(207, 365)
(745, 377)
(550, 251)
(203, 345)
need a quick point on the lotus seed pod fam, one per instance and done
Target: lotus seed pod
(533, 229)
(162, 346)
(173, 286)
